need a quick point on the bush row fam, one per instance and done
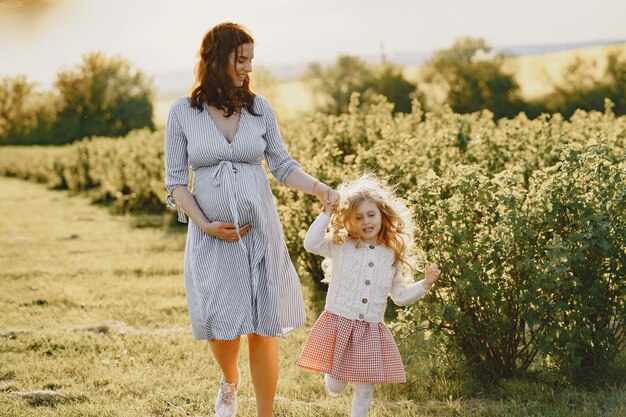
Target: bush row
(526, 218)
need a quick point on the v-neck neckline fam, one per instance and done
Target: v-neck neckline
(220, 131)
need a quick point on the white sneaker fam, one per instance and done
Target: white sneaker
(226, 403)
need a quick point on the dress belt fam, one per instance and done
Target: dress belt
(218, 177)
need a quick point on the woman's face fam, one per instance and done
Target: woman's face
(240, 66)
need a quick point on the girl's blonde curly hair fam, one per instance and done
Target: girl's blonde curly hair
(397, 230)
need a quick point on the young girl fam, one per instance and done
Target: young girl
(367, 258)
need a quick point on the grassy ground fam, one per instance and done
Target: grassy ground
(93, 322)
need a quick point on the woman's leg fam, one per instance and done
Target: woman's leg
(264, 371)
(363, 394)
(226, 353)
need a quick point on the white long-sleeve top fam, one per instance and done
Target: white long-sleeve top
(361, 278)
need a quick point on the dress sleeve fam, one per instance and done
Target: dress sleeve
(403, 293)
(316, 240)
(176, 161)
(278, 159)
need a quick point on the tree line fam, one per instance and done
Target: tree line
(101, 96)
(107, 96)
(468, 77)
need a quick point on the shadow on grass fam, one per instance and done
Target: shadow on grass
(49, 398)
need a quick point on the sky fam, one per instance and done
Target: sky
(40, 37)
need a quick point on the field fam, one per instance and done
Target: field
(94, 323)
(536, 74)
(527, 219)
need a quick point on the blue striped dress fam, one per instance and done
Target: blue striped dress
(248, 286)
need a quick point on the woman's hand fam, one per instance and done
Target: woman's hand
(431, 274)
(226, 231)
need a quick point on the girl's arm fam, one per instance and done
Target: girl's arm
(315, 240)
(403, 293)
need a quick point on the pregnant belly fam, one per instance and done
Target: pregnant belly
(237, 196)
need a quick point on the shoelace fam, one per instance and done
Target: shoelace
(227, 392)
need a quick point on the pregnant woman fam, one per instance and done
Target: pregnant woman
(239, 279)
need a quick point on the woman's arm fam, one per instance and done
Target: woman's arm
(284, 168)
(301, 181)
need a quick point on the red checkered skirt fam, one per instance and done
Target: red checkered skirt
(352, 351)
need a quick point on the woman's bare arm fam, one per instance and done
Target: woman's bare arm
(301, 181)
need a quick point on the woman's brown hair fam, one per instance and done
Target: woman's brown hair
(213, 84)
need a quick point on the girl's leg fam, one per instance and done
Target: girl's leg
(264, 371)
(333, 386)
(363, 394)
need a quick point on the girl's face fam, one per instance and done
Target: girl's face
(239, 67)
(367, 219)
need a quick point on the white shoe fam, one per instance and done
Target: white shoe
(226, 403)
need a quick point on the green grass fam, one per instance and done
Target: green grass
(92, 310)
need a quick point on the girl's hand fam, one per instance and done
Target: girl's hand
(331, 201)
(333, 198)
(431, 274)
(226, 231)
(328, 209)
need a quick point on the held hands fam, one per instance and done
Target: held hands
(331, 201)
(225, 231)
(328, 197)
(431, 274)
